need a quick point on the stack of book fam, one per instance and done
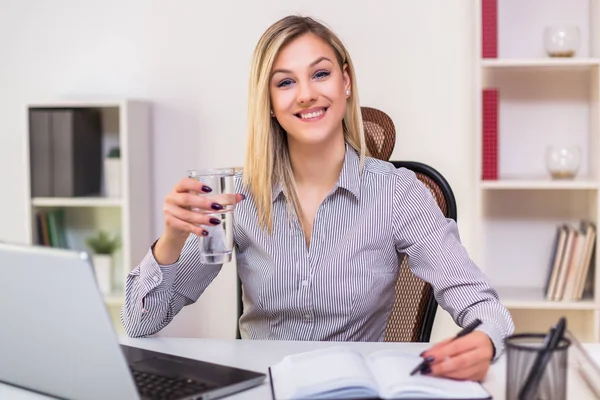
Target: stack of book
(572, 255)
(50, 225)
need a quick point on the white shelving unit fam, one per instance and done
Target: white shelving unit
(126, 124)
(543, 101)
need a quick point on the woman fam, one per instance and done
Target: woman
(318, 224)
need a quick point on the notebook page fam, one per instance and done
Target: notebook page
(392, 372)
(320, 371)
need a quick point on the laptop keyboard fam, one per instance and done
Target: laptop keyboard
(159, 387)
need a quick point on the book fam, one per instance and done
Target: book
(489, 28)
(572, 255)
(490, 127)
(339, 372)
(40, 153)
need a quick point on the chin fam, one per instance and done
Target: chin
(311, 138)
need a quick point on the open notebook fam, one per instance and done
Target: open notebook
(341, 373)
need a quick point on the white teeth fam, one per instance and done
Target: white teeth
(312, 114)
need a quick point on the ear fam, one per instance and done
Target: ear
(346, 76)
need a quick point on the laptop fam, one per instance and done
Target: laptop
(57, 338)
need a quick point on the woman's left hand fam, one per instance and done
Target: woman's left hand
(466, 358)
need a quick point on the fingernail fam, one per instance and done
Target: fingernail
(206, 189)
(216, 206)
(422, 353)
(426, 370)
(429, 359)
(243, 196)
(215, 221)
(204, 233)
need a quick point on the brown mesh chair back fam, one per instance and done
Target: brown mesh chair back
(380, 133)
(413, 312)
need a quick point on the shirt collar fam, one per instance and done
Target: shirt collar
(349, 178)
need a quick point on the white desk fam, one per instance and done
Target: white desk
(259, 355)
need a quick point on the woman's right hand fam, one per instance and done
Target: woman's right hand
(184, 210)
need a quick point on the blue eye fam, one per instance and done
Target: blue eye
(284, 83)
(321, 74)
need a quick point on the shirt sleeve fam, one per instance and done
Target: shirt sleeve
(154, 293)
(435, 254)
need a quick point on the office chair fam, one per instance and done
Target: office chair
(414, 308)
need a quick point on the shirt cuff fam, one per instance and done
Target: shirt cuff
(154, 276)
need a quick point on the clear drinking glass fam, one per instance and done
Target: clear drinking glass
(217, 246)
(521, 353)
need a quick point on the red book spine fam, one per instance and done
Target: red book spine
(489, 28)
(490, 135)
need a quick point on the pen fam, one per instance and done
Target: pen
(468, 329)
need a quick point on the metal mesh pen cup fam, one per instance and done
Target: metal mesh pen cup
(522, 350)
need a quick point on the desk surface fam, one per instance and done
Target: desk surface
(259, 355)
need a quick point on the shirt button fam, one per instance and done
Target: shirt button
(155, 278)
(308, 316)
(305, 283)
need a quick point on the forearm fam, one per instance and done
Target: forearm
(168, 249)
(462, 289)
(155, 294)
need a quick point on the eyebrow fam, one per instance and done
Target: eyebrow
(287, 71)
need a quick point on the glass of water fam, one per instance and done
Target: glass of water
(217, 246)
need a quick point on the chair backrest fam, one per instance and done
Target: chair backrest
(413, 312)
(380, 133)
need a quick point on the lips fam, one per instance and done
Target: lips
(313, 113)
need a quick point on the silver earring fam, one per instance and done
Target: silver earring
(347, 92)
(272, 113)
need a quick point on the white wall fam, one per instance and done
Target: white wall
(191, 58)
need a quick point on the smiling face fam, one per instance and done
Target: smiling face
(308, 91)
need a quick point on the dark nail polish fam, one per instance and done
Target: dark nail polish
(216, 206)
(422, 354)
(204, 233)
(426, 370)
(429, 359)
(243, 196)
(206, 189)
(215, 221)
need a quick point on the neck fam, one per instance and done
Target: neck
(318, 165)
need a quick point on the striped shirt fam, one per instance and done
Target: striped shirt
(341, 287)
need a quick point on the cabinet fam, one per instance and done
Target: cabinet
(542, 101)
(125, 124)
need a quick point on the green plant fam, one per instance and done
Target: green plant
(103, 243)
(114, 152)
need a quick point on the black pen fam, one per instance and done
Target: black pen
(468, 329)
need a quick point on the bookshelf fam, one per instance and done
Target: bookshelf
(125, 124)
(541, 101)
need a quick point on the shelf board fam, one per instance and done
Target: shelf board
(76, 202)
(539, 184)
(571, 63)
(527, 298)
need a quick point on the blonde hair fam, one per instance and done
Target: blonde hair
(267, 156)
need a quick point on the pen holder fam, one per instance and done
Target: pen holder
(522, 350)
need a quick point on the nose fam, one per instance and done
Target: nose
(306, 92)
